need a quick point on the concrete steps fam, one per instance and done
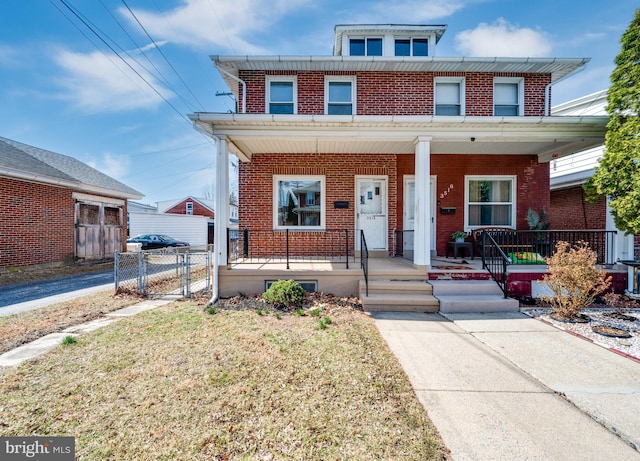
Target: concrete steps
(398, 295)
(457, 296)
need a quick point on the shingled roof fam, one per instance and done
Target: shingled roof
(21, 161)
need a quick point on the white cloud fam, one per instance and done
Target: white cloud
(208, 24)
(96, 82)
(116, 167)
(418, 10)
(503, 39)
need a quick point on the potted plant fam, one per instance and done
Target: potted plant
(459, 236)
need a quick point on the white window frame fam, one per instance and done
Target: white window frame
(366, 43)
(514, 198)
(411, 39)
(323, 200)
(340, 78)
(461, 82)
(188, 208)
(280, 78)
(513, 80)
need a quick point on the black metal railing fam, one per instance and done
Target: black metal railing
(364, 260)
(403, 243)
(502, 248)
(533, 246)
(495, 261)
(249, 246)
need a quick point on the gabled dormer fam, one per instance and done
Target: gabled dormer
(387, 39)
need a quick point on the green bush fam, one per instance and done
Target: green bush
(285, 293)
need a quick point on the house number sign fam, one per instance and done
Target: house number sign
(446, 192)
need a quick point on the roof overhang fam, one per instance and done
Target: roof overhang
(66, 183)
(230, 66)
(547, 137)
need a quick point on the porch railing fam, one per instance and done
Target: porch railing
(495, 261)
(523, 246)
(364, 260)
(249, 246)
(403, 243)
(500, 249)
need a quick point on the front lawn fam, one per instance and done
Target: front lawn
(180, 383)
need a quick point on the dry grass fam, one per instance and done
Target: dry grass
(28, 326)
(180, 383)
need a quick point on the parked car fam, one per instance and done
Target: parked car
(151, 241)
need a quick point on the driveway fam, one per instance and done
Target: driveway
(27, 296)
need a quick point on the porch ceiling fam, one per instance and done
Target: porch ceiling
(546, 137)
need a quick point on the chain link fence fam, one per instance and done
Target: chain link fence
(166, 271)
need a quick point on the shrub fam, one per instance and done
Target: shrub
(574, 279)
(285, 293)
(68, 340)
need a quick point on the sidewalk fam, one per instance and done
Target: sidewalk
(509, 387)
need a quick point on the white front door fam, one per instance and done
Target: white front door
(371, 211)
(409, 214)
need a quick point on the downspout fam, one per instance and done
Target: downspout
(547, 89)
(241, 82)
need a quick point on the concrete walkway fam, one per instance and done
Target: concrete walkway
(33, 349)
(508, 387)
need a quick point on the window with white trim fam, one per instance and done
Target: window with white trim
(189, 208)
(365, 46)
(449, 96)
(340, 95)
(508, 96)
(490, 201)
(298, 202)
(411, 47)
(281, 94)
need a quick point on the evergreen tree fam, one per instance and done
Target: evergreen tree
(618, 175)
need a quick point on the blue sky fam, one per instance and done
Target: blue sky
(117, 97)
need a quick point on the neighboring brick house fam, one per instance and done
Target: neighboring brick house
(57, 209)
(189, 206)
(384, 136)
(568, 207)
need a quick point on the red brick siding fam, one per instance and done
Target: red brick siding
(396, 93)
(532, 182)
(569, 210)
(36, 224)
(198, 209)
(256, 185)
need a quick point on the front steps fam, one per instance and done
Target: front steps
(469, 296)
(398, 295)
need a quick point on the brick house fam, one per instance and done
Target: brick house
(568, 207)
(56, 209)
(384, 137)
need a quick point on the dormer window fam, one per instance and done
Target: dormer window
(281, 95)
(365, 46)
(411, 47)
(508, 95)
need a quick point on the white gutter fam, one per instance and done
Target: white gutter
(547, 89)
(241, 82)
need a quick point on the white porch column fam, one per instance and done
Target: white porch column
(422, 231)
(221, 219)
